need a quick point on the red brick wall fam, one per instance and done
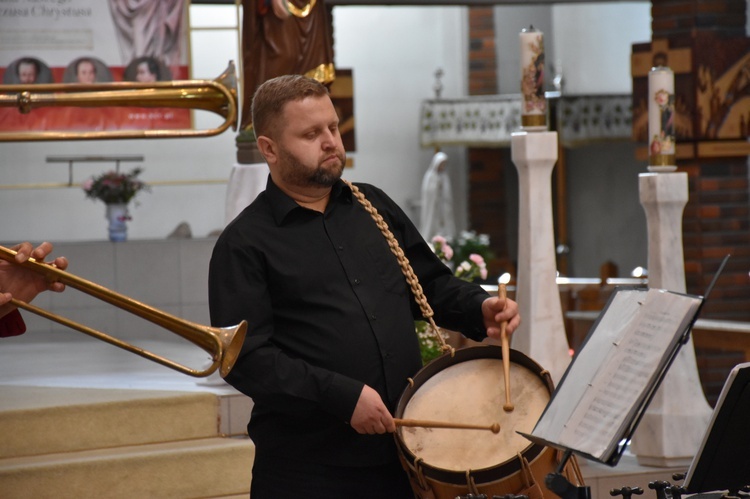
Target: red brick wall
(482, 53)
(670, 18)
(714, 366)
(487, 205)
(716, 221)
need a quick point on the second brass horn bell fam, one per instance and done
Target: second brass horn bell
(218, 96)
(222, 343)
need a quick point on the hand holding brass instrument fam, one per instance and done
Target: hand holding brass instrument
(222, 343)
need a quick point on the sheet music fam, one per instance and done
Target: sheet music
(619, 361)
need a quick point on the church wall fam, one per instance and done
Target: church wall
(606, 219)
(394, 52)
(64, 214)
(509, 21)
(175, 285)
(590, 44)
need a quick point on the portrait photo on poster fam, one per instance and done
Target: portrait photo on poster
(147, 69)
(27, 70)
(87, 69)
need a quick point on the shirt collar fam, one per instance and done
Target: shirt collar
(282, 205)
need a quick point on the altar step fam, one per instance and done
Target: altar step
(96, 443)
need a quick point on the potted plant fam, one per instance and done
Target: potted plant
(116, 190)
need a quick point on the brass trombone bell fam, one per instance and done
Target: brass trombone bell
(222, 343)
(218, 96)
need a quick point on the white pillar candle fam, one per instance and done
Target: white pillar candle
(534, 104)
(661, 138)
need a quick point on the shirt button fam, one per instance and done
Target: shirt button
(341, 247)
(373, 317)
(357, 281)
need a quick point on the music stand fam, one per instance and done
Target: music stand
(723, 460)
(601, 398)
(569, 421)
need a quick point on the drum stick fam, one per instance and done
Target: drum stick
(505, 345)
(494, 428)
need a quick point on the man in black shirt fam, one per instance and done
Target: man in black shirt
(331, 338)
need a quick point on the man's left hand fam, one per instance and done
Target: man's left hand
(497, 310)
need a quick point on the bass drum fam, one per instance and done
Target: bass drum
(469, 388)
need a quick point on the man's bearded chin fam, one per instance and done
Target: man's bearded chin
(321, 176)
(326, 177)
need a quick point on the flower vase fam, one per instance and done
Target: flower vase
(117, 215)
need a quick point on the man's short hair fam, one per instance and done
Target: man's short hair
(271, 97)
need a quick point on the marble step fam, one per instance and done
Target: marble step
(202, 468)
(44, 420)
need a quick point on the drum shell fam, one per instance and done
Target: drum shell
(524, 473)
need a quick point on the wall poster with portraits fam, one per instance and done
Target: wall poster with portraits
(93, 41)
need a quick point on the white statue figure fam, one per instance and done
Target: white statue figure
(437, 200)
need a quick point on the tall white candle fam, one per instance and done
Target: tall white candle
(534, 104)
(661, 137)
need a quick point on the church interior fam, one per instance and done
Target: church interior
(568, 230)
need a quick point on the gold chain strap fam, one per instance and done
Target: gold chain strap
(406, 269)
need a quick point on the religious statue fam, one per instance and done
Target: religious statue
(437, 200)
(284, 37)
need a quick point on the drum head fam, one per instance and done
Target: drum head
(472, 391)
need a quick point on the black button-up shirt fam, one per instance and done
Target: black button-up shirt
(328, 310)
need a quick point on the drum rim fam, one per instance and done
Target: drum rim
(509, 467)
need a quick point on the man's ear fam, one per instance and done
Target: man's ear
(267, 148)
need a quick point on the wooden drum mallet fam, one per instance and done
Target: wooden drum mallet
(505, 345)
(420, 423)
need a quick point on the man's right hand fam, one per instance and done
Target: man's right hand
(371, 415)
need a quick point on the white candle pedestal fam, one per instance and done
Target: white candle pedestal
(673, 426)
(541, 334)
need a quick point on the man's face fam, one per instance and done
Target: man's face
(86, 72)
(311, 153)
(26, 73)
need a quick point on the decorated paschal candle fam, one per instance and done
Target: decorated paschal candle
(661, 138)
(534, 104)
